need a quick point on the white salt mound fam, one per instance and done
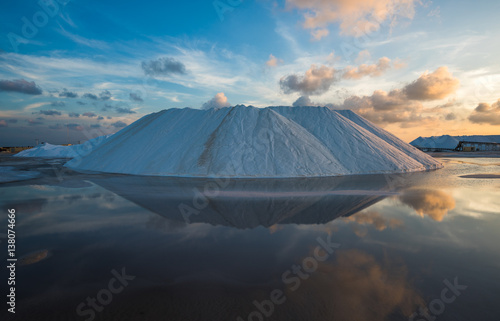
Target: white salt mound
(47, 150)
(245, 141)
(447, 141)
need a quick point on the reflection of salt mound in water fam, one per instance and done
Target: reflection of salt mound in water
(254, 142)
(251, 203)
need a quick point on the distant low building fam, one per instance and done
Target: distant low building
(477, 146)
(458, 143)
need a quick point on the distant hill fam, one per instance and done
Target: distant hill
(447, 141)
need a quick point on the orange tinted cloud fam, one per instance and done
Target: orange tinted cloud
(436, 85)
(355, 17)
(404, 105)
(485, 113)
(316, 80)
(375, 219)
(433, 203)
(338, 290)
(373, 70)
(319, 33)
(273, 61)
(219, 101)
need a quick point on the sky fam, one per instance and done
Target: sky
(71, 70)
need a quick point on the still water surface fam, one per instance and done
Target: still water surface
(378, 247)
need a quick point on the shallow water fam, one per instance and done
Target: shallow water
(226, 249)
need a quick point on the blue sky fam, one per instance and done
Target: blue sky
(86, 68)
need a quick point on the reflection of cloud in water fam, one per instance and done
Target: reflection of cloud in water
(373, 218)
(159, 223)
(356, 287)
(29, 206)
(433, 203)
(34, 257)
(275, 228)
(72, 198)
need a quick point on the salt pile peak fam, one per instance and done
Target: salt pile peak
(245, 141)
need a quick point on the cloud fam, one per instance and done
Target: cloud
(118, 124)
(386, 107)
(50, 112)
(363, 70)
(124, 110)
(74, 115)
(95, 126)
(164, 66)
(219, 101)
(100, 118)
(375, 219)
(399, 64)
(107, 107)
(89, 114)
(450, 116)
(36, 122)
(57, 104)
(384, 289)
(316, 80)
(273, 61)
(21, 86)
(396, 106)
(81, 103)
(363, 56)
(303, 101)
(5, 122)
(90, 96)
(485, 113)
(135, 97)
(436, 85)
(317, 34)
(68, 94)
(76, 127)
(105, 95)
(355, 17)
(433, 203)
(56, 127)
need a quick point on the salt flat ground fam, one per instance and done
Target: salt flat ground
(215, 249)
